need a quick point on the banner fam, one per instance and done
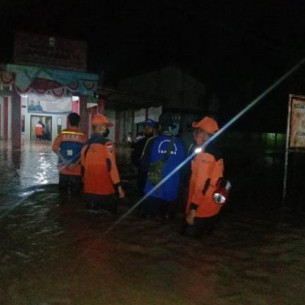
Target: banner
(47, 104)
(154, 113)
(296, 122)
(140, 116)
(49, 51)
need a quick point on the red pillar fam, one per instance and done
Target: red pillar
(16, 119)
(5, 118)
(83, 114)
(100, 105)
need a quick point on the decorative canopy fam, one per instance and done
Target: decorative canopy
(56, 82)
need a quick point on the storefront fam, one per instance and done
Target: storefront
(46, 80)
(47, 95)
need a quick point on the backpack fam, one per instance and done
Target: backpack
(155, 169)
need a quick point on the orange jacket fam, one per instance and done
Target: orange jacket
(100, 172)
(206, 171)
(38, 130)
(68, 145)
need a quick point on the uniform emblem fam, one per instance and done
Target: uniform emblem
(162, 148)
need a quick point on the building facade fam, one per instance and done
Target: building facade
(46, 82)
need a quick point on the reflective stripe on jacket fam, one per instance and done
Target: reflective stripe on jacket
(68, 145)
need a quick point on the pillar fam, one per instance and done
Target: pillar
(16, 119)
(5, 118)
(100, 105)
(84, 125)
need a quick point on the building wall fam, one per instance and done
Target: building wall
(5, 118)
(175, 88)
(1, 118)
(111, 115)
(126, 124)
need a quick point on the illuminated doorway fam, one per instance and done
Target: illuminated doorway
(47, 126)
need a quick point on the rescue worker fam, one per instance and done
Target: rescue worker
(39, 130)
(206, 169)
(100, 174)
(149, 131)
(67, 146)
(168, 151)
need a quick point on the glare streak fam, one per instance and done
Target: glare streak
(213, 137)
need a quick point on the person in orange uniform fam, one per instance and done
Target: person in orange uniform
(206, 168)
(39, 130)
(67, 146)
(100, 173)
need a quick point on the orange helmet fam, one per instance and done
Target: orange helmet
(207, 124)
(101, 119)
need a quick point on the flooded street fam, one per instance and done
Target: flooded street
(54, 252)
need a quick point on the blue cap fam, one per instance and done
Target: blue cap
(149, 122)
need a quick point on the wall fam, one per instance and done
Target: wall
(111, 115)
(5, 118)
(175, 88)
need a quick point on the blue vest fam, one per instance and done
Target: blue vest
(70, 150)
(169, 189)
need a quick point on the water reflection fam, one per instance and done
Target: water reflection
(38, 165)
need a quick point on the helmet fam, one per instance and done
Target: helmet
(101, 119)
(207, 124)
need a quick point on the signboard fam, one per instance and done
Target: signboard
(51, 52)
(140, 116)
(45, 104)
(296, 122)
(154, 113)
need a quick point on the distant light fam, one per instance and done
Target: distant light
(198, 150)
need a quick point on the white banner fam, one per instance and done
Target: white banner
(47, 104)
(140, 116)
(154, 113)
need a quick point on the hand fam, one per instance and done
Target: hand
(121, 192)
(71, 166)
(190, 217)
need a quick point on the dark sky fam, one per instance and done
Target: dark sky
(227, 44)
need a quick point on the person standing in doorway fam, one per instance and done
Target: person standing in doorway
(67, 146)
(46, 131)
(39, 130)
(100, 173)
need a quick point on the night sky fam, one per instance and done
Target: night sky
(238, 48)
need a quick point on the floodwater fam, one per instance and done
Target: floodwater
(54, 252)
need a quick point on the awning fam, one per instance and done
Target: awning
(50, 81)
(119, 99)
